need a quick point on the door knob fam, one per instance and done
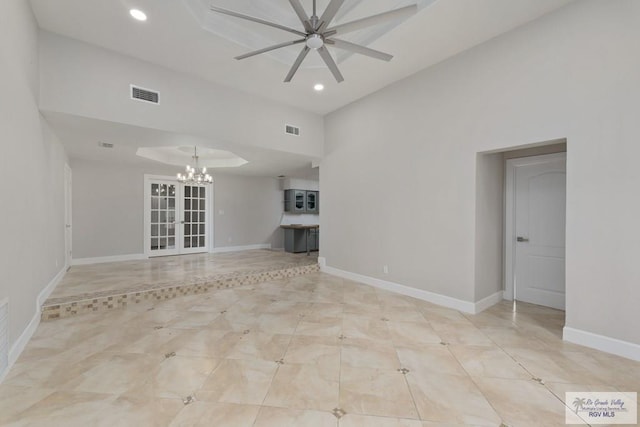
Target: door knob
(521, 239)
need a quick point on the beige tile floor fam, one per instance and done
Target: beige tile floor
(313, 350)
(157, 272)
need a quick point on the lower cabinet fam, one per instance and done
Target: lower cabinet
(295, 240)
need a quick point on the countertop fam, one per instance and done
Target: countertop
(300, 226)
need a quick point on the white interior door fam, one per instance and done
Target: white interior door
(538, 234)
(176, 217)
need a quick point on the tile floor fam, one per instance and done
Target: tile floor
(312, 350)
(157, 272)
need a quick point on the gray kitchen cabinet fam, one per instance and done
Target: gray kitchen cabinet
(314, 239)
(312, 200)
(301, 201)
(300, 238)
(295, 201)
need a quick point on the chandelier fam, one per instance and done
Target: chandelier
(195, 175)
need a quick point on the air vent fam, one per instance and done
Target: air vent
(105, 144)
(145, 95)
(291, 130)
(4, 336)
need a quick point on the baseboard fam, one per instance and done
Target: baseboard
(240, 248)
(602, 343)
(489, 301)
(443, 300)
(105, 259)
(22, 341)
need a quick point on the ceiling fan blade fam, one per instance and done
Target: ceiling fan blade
(257, 20)
(329, 13)
(270, 48)
(356, 48)
(381, 18)
(331, 64)
(302, 15)
(296, 65)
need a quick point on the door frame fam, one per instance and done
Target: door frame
(68, 230)
(147, 220)
(510, 215)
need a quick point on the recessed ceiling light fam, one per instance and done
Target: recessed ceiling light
(318, 87)
(138, 14)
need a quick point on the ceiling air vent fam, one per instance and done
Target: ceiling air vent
(291, 130)
(105, 144)
(145, 95)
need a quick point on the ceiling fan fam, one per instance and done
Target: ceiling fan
(318, 33)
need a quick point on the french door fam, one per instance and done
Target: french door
(177, 217)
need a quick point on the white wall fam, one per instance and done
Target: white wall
(252, 210)
(489, 225)
(108, 209)
(406, 156)
(88, 81)
(32, 212)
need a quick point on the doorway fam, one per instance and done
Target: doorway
(535, 216)
(177, 217)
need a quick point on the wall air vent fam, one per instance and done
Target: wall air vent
(291, 130)
(105, 144)
(145, 95)
(4, 336)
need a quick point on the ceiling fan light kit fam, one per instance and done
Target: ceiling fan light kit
(317, 33)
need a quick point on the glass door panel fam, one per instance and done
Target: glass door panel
(177, 219)
(162, 215)
(195, 224)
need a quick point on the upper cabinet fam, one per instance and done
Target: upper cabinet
(312, 201)
(301, 201)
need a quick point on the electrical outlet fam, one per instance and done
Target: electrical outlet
(385, 269)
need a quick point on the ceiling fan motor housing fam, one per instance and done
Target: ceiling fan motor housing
(315, 41)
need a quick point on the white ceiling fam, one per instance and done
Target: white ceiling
(174, 37)
(81, 136)
(185, 36)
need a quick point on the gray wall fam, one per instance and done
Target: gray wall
(406, 156)
(108, 209)
(32, 211)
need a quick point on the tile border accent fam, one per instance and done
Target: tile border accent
(603, 343)
(432, 297)
(59, 308)
(16, 349)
